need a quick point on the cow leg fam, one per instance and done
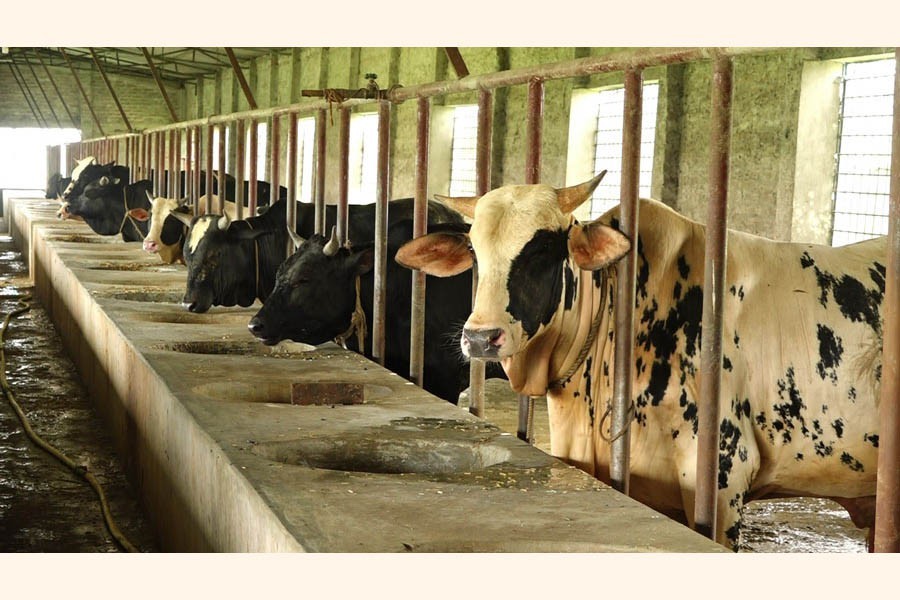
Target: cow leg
(862, 513)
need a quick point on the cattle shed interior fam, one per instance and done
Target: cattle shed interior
(205, 420)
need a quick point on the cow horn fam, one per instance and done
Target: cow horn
(295, 238)
(574, 196)
(332, 246)
(464, 205)
(224, 222)
(149, 196)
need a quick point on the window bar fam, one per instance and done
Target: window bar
(208, 161)
(275, 149)
(320, 172)
(239, 157)
(223, 184)
(254, 157)
(291, 220)
(344, 175)
(420, 228)
(382, 196)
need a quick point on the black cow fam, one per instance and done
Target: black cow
(104, 206)
(56, 185)
(93, 172)
(234, 262)
(315, 297)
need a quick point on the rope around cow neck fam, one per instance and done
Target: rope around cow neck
(81, 470)
(128, 216)
(357, 325)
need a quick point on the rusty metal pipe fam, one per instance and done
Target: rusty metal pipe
(291, 180)
(239, 157)
(239, 74)
(221, 168)
(254, 158)
(887, 498)
(172, 187)
(189, 164)
(197, 140)
(343, 175)
(208, 161)
(420, 228)
(275, 157)
(623, 369)
(382, 196)
(713, 302)
(319, 199)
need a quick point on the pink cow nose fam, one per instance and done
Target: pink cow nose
(483, 343)
(150, 246)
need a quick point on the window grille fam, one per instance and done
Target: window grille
(363, 167)
(260, 152)
(862, 186)
(462, 156)
(215, 149)
(608, 145)
(306, 148)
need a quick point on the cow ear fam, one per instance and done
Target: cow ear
(139, 214)
(463, 205)
(363, 260)
(248, 234)
(595, 245)
(185, 218)
(439, 254)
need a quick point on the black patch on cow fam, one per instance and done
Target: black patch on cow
(761, 420)
(857, 303)
(798, 456)
(676, 291)
(733, 534)
(726, 363)
(737, 340)
(851, 462)
(588, 369)
(851, 393)
(806, 261)
(643, 273)
(878, 373)
(877, 274)
(872, 438)
(535, 279)
(659, 381)
(830, 352)
(791, 410)
(674, 433)
(683, 268)
(823, 449)
(838, 426)
(570, 286)
(690, 410)
(729, 435)
(817, 427)
(825, 281)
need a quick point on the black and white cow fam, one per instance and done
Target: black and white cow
(56, 185)
(802, 340)
(104, 205)
(234, 262)
(316, 295)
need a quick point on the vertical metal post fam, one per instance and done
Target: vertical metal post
(209, 168)
(320, 172)
(161, 162)
(343, 175)
(482, 186)
(198, 156)
(172, 187)
(221, 168)
(145, 156)
(713, 299)
(887, 498)
(420, 228)
(291, 179)
(254, 160)
(189, 164)
(239, 141)
(623, 368)
(275, 162)
(382, 196)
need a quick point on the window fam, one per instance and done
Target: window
(306, 149)
(862, 185)
(215, 149)
(608, 145)
(462, 157)
(363, 167)
(23, 155)
(260, 152)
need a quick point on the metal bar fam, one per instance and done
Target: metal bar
(112, 92)
(41, 88)
(160, 84)
(239, 73)
(887, 497)
(456, 59)
(208, 155)
(482, 186)
(84, 95)
(382, 196)
(343, 175)
(320, 172)
(623, 373)
(275, 138)
(58, 93)
(713, 296)
(189, 164)
(174, 170)
(239, 158)
(291, 180)
(198, 170)
(161, 162)
(254, 161)
(420, 228)
(221, 168)
(28, 99)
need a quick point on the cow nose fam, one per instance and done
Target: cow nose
(255, 326)
(150, 246)
(191, 306)
(482, 343)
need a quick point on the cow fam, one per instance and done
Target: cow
(166, 236)
(317, 298)
(801, 347)
(263, 188)
(234, 262)
(56, 185)
(104, 205)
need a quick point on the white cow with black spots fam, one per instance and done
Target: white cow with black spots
(802, 338)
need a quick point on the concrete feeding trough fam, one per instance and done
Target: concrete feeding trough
(327, 392)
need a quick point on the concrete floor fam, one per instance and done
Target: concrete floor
(201, 414)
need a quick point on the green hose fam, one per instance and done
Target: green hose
(80, 470)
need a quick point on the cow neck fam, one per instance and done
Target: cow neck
(256, 260)
(128, 216)
(357, 325)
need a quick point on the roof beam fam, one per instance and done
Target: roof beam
(41, 88)
(84, 95)
(159, 84)
(456, 59)
(112, 92)
(58, 93)
(239, 73)
(24, 93)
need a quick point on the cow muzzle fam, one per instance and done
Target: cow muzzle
(150, 245)
(482, 343)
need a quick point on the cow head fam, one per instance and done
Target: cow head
(89, 173)
(93, 201)
(162, 231)
(220, 258)
(315, 293)
(521, 238)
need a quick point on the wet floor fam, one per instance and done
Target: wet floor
(44, 507)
